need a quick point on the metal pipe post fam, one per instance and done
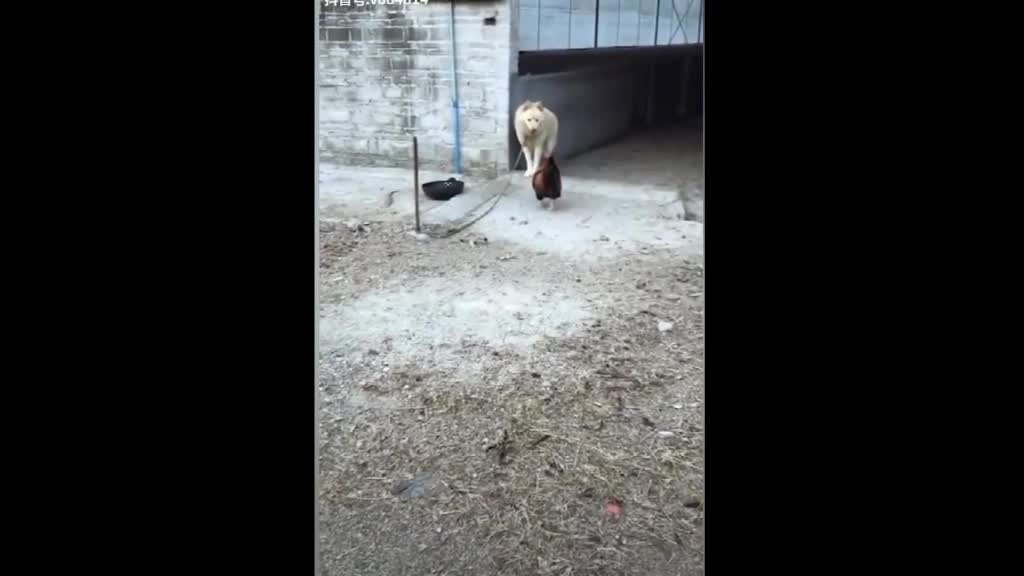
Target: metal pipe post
(416, 180)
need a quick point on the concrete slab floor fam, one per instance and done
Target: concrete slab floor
(592, 220)
(666, 157)
(361, 192)
(642, 191)
(660, 157)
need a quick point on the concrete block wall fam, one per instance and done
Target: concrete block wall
(385, 75)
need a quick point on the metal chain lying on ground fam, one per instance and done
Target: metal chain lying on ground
(494, 202)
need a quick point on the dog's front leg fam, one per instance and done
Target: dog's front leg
(528, 153)
(538, 156)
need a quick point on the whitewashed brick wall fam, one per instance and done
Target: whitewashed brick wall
(385, 75)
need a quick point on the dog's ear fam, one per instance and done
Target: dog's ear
(539, 105)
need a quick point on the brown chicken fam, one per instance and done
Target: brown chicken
(547, 180)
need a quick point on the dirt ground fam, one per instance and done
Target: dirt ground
(525, 397)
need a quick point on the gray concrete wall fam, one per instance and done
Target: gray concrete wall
(564, 60)
(594, 106)
(385, 76)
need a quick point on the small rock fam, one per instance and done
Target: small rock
(673, 297)
(524, 222)
(665, 434)
(414, 488)
(664, 326)
(535, 374)
(692, 502)
(677, 406)
(604, 238)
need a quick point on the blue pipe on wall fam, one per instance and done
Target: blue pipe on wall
(455, 93)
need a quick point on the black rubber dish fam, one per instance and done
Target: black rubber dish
(443, 189)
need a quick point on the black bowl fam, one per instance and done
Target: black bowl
(443, 189)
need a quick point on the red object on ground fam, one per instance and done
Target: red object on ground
(614, 507)
(547, 180)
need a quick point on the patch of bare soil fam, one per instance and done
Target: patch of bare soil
(487, 410)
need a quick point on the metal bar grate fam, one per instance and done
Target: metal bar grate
(646, 23)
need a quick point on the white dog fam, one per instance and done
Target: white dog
(537, 131)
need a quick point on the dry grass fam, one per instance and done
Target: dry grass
(515, 455)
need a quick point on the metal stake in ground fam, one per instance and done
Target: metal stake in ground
(416, 181)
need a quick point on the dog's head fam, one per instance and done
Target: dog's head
(533, 116)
